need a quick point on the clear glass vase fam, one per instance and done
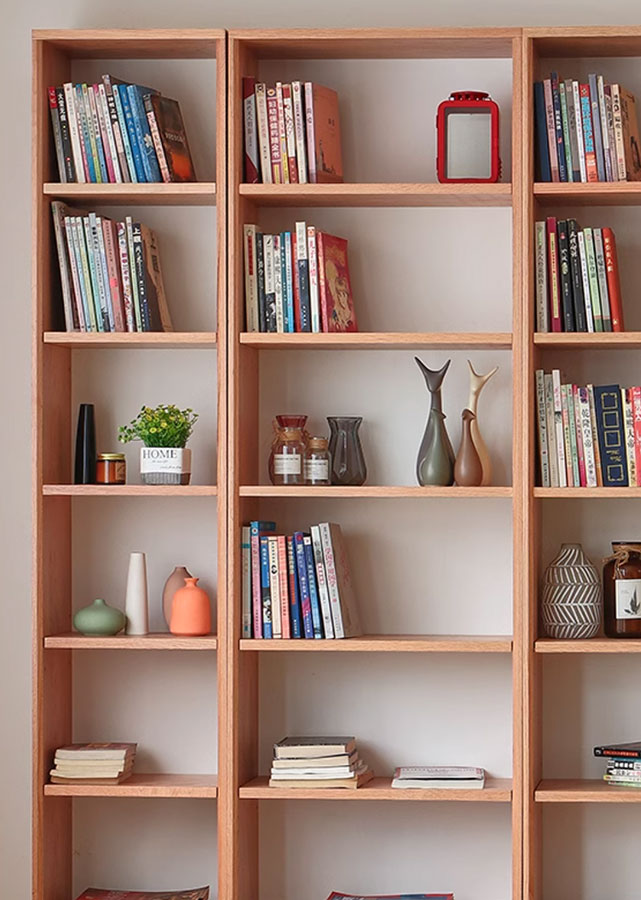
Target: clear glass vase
(346, 452)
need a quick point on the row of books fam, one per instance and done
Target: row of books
(586, 131)
(588, 436)
(292, 133)
(93, 763)
(623, 763)
(109, 272)
(112, 132)
(439, 778)
(296, 586)
(318, 762)
(577, 278)
(297, 281)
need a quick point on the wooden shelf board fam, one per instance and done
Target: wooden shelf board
(129, 490)
(383, 341)
(592, 645)
(584, 790)
(155, 641)
(131, 43)
(372, 491)
(119, 341)
(595, 193)
(591, 41)
(601, 341)
(378, 194)
(581, 493)
(498, 790)
(150, 785)
(189, 194)
(391, 643)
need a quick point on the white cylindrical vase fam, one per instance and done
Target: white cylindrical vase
(136, 608)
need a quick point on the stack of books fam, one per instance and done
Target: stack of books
(588, 436)
(112, 132)
(318, 762)
(585, 132)
(623, 763)
(292, 133)
(577, 278)
(297, 586)
(297, 281)
(93, 764)
(102, 894)
(431, 777)
(109, 273)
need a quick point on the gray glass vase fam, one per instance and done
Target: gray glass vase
(435, 461)
(347, 460)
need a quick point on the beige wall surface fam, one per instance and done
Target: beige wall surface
(19, 17)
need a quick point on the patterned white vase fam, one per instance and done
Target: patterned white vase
(571, 603)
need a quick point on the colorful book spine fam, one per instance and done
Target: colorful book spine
(313, 589)
(278, 286)
(137, 96)
(321, 579)
(265, 589)
(299, 130)
(602, 278)
(257, 529)
(558, 128)
(260, 281)
(588, 134)
(287, 269)
(628, 431)
(112, 113)
(544, 173)
(567, 441)
(565, 277)
(544, 464)
(587, 438)
(295, 615)
(550, 128)
(102, 321)
(124, 132)
(274, 136)
(605, 135)
(125, 276)
(636, 424)
(95, 166)
(251, 287)
(130, 125)
(612, 276)
(589, 317)
(282, 132)
(290, 133)
(314, 297)
(57, 134)
(141, 278)
(574, 147)
(558, 427)
(74, 134)
(246, 581)
(101, 149)
(542, 307)
(617, 121)
(596, 127)
(252, 161)
(264, 144)
(66, 278)
(554, 279)
(283, 586)
(580, 443)
(551, 430)
(270, 291)
(303, 585)
(309, 131)
(595, 439)
(595, 298)
(302, 272)
(565, 121)
(576, 276)
(83, 131)
(614, 169)
(157, 139)
(610, 428)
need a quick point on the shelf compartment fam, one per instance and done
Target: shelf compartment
(156, 641)
(497, 790)
(203, 787)
(129, 490)
(197, 193)
(594, 193)
(389, 492)
(584, 790)
(585, 493)
(378, 194)
(161, 340)
(130, 43)
(390, 643)
(593, 645)
(630, 340)
(381, 340)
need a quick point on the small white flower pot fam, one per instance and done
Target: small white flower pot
(165, 465)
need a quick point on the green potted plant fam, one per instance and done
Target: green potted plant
(164, 432)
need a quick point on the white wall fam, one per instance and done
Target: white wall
(15, 648)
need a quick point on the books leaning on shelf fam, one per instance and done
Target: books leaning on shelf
(297, 281)
(298, 585)
(577, 278)
(102, 894)
(623, 763)
(313, 762)
(109, 272)
(112, 132)
(93, 764)
(335, 895)
(292, 133)
(588, 436)
(585, 131)
(431, 777)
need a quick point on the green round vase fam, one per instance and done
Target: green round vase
(99, 619)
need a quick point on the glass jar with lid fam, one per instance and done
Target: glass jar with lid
(111, 468)
(317, 461)
(622, 590)
(286, 462)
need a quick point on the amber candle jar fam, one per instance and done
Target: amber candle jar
(622, 591)
(111, 468)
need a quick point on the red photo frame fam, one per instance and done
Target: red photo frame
(472, 101)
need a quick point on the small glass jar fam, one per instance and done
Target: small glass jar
(287, 460)
(317, 461)
(622, 591)
(111, 468)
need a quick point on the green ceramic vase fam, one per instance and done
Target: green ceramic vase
(99, 619)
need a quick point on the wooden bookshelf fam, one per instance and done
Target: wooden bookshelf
(137, 340)
(196, 194)
(337, 195)
(153, 641)
(377, 341)
(129, 490)
(201, 787)
(389, 643)
(578, 790)
(496, 790)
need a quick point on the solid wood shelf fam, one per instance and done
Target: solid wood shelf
(156, 641)
(586, 41)
(151, 785)
(592, 645)
(601, 341)
(134, 43)
(390, 643)
(390, 492)
(129, 490)
(160, 340)
(593, 193)
(377, 194)
(197, 193)
(380, 340)
(581, 493)
(497, 790)
(584, 790)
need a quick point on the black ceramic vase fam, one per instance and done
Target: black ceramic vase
(347, 460)
(85, 461)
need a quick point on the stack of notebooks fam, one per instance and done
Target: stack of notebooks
(588, 436)
(297, 281)
(102, 894)
(111, 132)
(292, 133)
(109, 272)
(623, 763)
(585, 132)
(298, 585)
(93, 764)
(577, 278)
(318, 762)
(431, 777)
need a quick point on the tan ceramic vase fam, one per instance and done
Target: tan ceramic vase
(175, 581)
(477, 383)
(468, 471)
(191, 610)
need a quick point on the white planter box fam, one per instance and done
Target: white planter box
(165, 465)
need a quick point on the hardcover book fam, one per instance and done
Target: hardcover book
(609, 419)
(324, 135)
(174, 138)
(630, 750)
(334, 286)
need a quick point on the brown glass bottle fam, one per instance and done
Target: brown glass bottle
(622, 591)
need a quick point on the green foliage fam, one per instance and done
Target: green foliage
(164, 426)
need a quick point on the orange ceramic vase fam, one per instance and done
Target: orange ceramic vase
(190, 610)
